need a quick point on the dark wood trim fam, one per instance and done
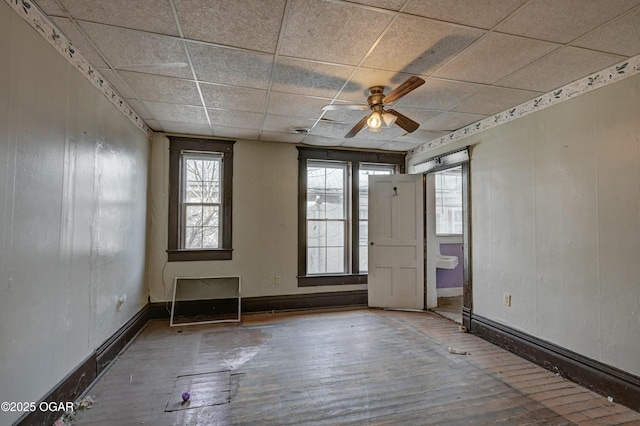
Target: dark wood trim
(68, 389)
(467, 287)
(606, 380)
(318, 280)
(110, 349)
(80, 378)
(288, 302)
(354, 158)
(384, 157)
(176, 146)
(294, 302)
(302, 216)
(198, 255)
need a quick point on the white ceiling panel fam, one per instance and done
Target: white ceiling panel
(475, 13)
(233, 97)
(262, 68)
(147, 15)
(621, 36)
(231, 66)
(226, 22)
(562, 21)
(331, 31)
(493, 100)
(494, 57)
(309, 78)
(418, 45)
(159, 88)
(559, 68)
(140, 51)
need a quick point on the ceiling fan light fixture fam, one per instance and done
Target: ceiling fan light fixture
(375, 121)
(389, 118)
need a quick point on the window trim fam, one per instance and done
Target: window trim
(354, 158)
(176, 146)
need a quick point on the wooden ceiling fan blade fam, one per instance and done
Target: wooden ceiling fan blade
(359, 126)
(410, 84)
(403, 121)
(336, 107)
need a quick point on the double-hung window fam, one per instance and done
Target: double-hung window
(200, 186)
(332, 213)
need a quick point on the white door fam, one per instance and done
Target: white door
(396, 241)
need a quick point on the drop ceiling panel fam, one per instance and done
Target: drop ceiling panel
(494, 57)
(439, 94)
(139, 51)
(185, 128)
(148, 15)
(230, 66)
(284, 124)
(233, 97)
(399, 145)
(51, 8)
(475, 13)
(249, 24)
(493, 100)
(383, 4)
(281, 137)
(162, 89)
(291, 105)
(331, 31)
(266, 67)
(178, 113)
(419, 45)
(309, 78)
(241, 119)
(80, 41)
(621, 36)
(452, 121)
(562, 21)
(236, 133)
(559, 68)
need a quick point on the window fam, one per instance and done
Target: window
(200, 186)
(449, 201)
(333, 217)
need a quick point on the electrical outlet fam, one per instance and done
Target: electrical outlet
(506, 299)
(278, 279)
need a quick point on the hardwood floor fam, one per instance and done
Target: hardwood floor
(350, 367)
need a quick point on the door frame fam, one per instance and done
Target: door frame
(460, 157)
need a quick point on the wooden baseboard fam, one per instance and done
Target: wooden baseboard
(78, 380)
(623, 387)
(289, 302)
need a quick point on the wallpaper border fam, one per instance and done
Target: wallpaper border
(615, 73)
(30, 13)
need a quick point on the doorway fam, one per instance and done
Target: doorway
(447, 236)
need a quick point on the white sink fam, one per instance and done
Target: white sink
(446, 262)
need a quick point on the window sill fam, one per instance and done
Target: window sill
(319, 280)
(196, 255)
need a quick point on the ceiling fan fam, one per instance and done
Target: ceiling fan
(376, 103)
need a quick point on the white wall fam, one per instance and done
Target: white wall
(265, 223)
(556, 223)
(73, 178)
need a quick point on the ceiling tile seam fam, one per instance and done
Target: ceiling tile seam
(42, 25)
(567, 44)
(593, 81)
(78, 28)
(188, 55)
(359, 64)
(610, 21)
(274, 64)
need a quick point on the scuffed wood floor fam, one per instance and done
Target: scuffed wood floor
(353, 367)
